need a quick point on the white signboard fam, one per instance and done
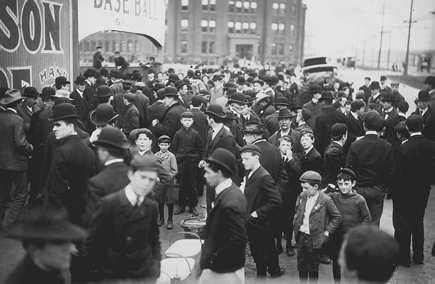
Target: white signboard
(146, 17)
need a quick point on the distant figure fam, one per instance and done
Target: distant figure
(120, 62)
(98, 58)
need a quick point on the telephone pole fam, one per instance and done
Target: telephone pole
(382, 34)
(409, 38)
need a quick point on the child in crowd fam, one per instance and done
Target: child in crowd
(353, 208)
(187, 147)
(311, 159)
(169, 164)
(143, 139)
(311, 227)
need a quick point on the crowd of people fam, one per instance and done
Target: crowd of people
(97, 165)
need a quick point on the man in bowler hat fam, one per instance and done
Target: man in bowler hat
(80, 102)
(223, 253)
(425, 110)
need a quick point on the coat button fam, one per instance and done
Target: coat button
(129, 239)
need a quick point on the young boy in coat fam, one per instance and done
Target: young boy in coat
(316, 219)
(353, 208)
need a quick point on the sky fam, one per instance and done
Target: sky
(336, 27)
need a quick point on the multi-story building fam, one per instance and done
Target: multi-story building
(215, 31)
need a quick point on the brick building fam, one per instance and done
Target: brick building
(215, 31)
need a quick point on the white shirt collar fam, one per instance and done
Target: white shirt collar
(354, 115)
(217, 128)
(223, 185)
(308, 150)
(371, 132)
(416, 133)
(401, 114)
(132, 197)
(315, 196)
(109, 162)
(12, 109)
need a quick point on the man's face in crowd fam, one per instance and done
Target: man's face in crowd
(62, 130)
(284, 86)
(257, 87)
(238, 107)
(285, 123)
(142, 181)
(249, 160)
(306, 141)
(249, 138)
(187, 122)
(31, 101)
(54, 255)
(47, 103)
(92, 80)
(143, 142)
(423, 104)
(183, 90)
(211, 177)
(345, 186)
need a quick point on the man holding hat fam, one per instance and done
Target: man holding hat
(14, 152)
(428, 114)
(412, 182)
(81, 102)
(123, 234)
(47, 235)
(371, 158)
(223, 253)
(324, 122)
(313, 105)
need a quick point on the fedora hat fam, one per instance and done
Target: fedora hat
(47, 220)
(180, 83)
(285, 113)
(80, 80)
(11, 96)
(100, 82)
(238, 98)
(104, 72)
(64, 111)
(327, 95)
(316, 89)
(388, 97)
(157, 87)
(115, 74)
(253, 127)
(112, 137)
(30, 92)
(281, 101)
(91, 73)
(170, 92)
(173, 78)
(61, 80)
(47, 93)
(103, 114)
(216, 110)
(103, 91)
(223, 158)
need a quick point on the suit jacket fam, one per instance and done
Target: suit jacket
(265, 111)
(225, 233)
(389, 134)
(316, 110)
(170, 122)
(354, 127)
(89, 92)
(44, 125)
(367, 93)
(323, 217)
(119, 107)
(81, 104)
(312, 161)
(294, 134)
(304, 128)
(124, 240)
(200, 124)
(14, 148)
(72, 166)
(263, 197)
(322, 131)
(429, 123)
(131, 119)
(26, 114)
(142, 104)
(333, 160)
(271, 122)
(110, 180)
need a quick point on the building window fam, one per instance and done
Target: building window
(204, 47)
(137, 47)
(281, 29)
(93, 45)
(292, 30)
(123, 46)
(183, 46)
(245, 27)
(246, 6)
(107, 46)
(274, 28)
(239, 6)
(115, 45)
(204, 5)
(280, 48)
(212, 48)
(294, 10)
(238, 27)
(273, 48)
(86, 45)
(254, 7)
(232, 6)
(184, 5)
(184, 25)
(204, 26)
(230, 27)
(130, 46)
(253, 27)
(208, 5)
(212, 4)
(282, 7)
(211, 26)
(275, 7)
(291, 47)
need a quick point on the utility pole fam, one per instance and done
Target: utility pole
(382, 33)
(409, 38)
(364, 53)
(389, 50)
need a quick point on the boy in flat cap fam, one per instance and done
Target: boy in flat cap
(188, 148)
(123, 233)
(311, 227)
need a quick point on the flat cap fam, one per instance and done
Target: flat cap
(187, 114)
(347, 171)
(338, 129)
(310, 176)
(373, 120)
(250, 148)
(306, 114)
(145, 163)
(401, 127)
(357, 104)
(163, 137)
(414, 121)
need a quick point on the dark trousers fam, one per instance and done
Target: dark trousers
(187, 179)
(374, 197)
(286, 214)
(19, 179)
(335, 246)
(263, 250)
(34, 173)
(200, 181)
(308, 257)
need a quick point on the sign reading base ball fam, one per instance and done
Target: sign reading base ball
(145, 17)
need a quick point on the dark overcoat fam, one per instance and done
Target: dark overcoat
(322, 131)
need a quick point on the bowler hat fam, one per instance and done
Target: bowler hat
(347, 171)
(45, 220)
(64, 111)
(423, 96)
(250, 93)
(430, 80)
(157, 87)
(170, 92)
(216, 110)
(103, 114)
(274, 79)
(338, 129)
(126, 76)
(47, 93)
(253, 127)
(230, 115)
(80, 80)
(374, 85)
(197, 100)
(216, 77)
(104, 72)
(388, 97)
(100, 82)
(248, 100)
(61, 80)
(112, 137)
(281, 101)
(160, 93)
(383, 78)
(179, 84)
(316, 89)
(103, 91)
(241, 80)
(11, 96)
(327, 95)
(91, 73)
(228, 85)
(61, 100)
(238, 98)
(173, 77)
(310, 176)
(145, 163)
(285, 113)
(266, 79)
(295, 107)
(115, 74)
(306, 114)
(230, 92)
(261, 82)
(126, 84)
(250, 148)
(31, 92)
(223, 158)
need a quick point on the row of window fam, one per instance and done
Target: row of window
(111, 46)
(207, 5)
(242, 7)
(209, 47)
(242, 28)
(278, 48)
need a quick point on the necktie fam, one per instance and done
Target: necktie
(421, 112)
(137, 202)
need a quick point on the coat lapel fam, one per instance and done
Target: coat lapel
(125, 206)
(318, 204)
